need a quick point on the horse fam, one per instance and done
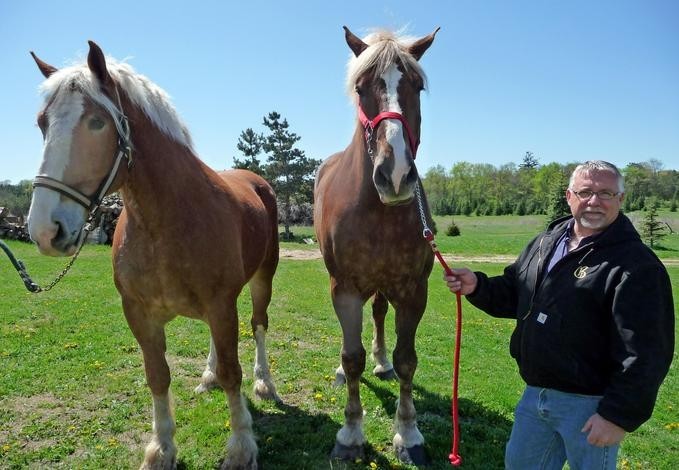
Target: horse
(366, 222)
(187, 242)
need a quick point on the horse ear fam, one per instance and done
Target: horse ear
(355, 43)
(97, 64)
(419, 47)
(44, 67)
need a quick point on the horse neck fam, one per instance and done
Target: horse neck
(164, 172)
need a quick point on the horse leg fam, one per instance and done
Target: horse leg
(408, 441)
(260, 291)
(241, 449)
(161, 451)
(208, 380)
(350, 438)
(383, 368)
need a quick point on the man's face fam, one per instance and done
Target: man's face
(593, 215)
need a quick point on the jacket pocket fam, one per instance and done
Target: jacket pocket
(542, 352)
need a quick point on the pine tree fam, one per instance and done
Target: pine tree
(288, 169)
(250, 144)
(557, 205)
(652, 230)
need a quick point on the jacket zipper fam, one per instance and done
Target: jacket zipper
(537, 277)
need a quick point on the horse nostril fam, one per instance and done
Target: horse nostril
(59, 233)
(411, 177)
(381, 179)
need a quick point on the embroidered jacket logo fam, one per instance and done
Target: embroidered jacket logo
(580, 272)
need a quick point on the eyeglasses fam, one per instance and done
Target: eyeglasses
(586, 194)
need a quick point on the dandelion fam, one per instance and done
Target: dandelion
(373, 465)
(70, 346)
(6, 448)
(113, 442)
(672, 426)
(318, 396)
(227, 425)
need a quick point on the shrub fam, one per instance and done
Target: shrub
(453, 230)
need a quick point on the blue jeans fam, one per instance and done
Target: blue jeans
(546, 433)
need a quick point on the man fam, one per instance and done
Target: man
(594, 336)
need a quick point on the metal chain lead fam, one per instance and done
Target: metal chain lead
(426, 231)
(31, 285)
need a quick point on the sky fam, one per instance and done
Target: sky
(568, 81)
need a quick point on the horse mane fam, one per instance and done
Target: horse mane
(149, 97)
(385, 48)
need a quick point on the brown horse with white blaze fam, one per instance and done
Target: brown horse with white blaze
(369, 229)
(188, 241)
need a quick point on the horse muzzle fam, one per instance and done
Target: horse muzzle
(393, 188)
(57, 232)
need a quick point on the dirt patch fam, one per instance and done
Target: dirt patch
(453, 260)
(316, 254)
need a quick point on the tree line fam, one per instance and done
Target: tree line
(465, 189)
(530, 188)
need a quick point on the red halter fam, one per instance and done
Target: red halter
(370, 124)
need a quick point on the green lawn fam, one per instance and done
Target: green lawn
(73, 393)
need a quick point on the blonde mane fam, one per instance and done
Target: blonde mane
(149, 97)
(385, 48)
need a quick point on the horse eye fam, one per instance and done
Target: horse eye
(95, 124)
(358, 90)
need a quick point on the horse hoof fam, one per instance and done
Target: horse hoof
(264, 391)
(389, 374)
(340, 380)
(205, 387)
(342, 452)
(414, 455)
(230, 465)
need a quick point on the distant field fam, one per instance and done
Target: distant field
(506, 234)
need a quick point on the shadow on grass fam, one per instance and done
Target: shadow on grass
(483, 432)
(291, 437)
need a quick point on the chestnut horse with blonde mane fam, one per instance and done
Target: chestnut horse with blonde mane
(187, 242)
(370, 229)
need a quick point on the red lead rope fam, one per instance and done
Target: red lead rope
(454, 457)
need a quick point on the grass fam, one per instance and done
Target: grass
(73, 391)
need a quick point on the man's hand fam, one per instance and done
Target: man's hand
(602, 432)
(462, 280)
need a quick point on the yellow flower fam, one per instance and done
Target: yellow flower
(672, 426)
(373, 465)
(318, 396)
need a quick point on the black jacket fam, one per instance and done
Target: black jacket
(601, 322)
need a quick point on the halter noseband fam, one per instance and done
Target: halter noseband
(370, 124)
(92, 202)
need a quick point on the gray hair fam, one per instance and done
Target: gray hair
(598, 165)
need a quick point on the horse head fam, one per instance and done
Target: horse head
(385, 79)
(85, 139)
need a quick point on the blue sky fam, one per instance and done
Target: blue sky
(566, 80)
